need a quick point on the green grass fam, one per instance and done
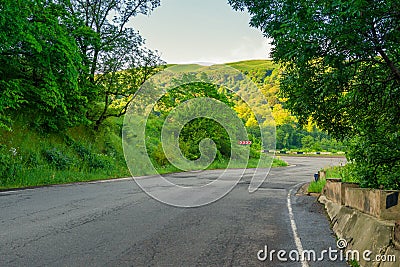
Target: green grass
(253, 163)
(331, 172)
(278, 162)
(30, 158)
(188, 67)
(246, 65)
(333, 155)
(316, 187)
(342, 172)
(48, 176)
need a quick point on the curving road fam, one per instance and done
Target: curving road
(116, 224)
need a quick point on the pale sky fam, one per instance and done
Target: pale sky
(190, 31)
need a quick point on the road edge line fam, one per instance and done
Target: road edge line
(296, 237)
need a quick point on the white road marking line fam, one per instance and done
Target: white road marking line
(21, 190)
(12, 192)
(296, 237)
(108, 181)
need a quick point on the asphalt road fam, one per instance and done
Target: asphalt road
(116, 224)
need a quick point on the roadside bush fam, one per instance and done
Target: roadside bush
(56, 158)
(93, 161)
(10, 164)
(32, 159)
(99, 161)
(82, 151)
(376, 158)
(255, 150)
(159, 156)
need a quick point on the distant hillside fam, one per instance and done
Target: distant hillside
(243, 66)
(252, 65)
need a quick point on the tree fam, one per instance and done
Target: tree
(115, 59)
(308, 142)
(184, 89)
(39, 65)
(341, 64)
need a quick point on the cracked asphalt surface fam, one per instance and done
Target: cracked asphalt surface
(116, 224)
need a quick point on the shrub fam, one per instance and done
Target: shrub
(10, 164)
(82, 151)
(57, 159)
(99, 161)
(159, 156)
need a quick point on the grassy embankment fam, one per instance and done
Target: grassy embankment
(30, 158)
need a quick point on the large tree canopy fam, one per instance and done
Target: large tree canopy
(39, 64)
(341, 62)
(65, 62)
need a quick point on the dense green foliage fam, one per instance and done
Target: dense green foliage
(39, 65)
(290, 134)
(68, 62)
(341, 69)
(198, 129)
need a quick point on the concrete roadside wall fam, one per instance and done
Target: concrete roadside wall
(382, 204)
(332, 190)
(367, 201)
(368, 219)
(363, 232)
(335, 190)
(396, 236)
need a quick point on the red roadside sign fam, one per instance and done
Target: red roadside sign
(244, 142)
